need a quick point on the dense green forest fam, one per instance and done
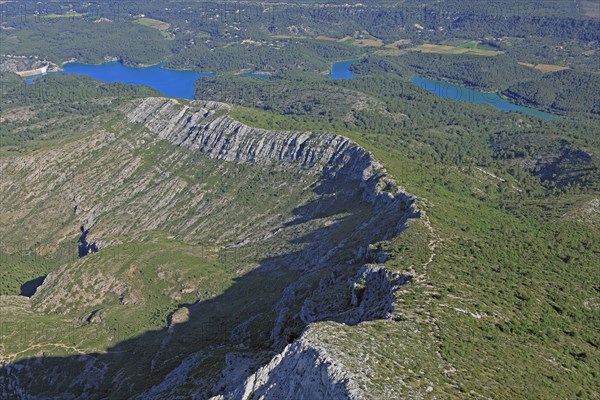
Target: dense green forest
(485, 73)
(559, 156)
(88, 30)
(512, 199)
(569, 92)
(225, 37)
(88, 42)
(376, 64)
(278, 57)
(67, 98)
(565, 91)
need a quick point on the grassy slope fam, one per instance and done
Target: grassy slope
(157, 288)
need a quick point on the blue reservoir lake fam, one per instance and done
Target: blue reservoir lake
(173, 83)
(181, 83)
(341, 70)
(463, 94)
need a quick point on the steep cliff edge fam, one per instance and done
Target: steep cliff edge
(254, 235)
(200, 127)
(302, 369)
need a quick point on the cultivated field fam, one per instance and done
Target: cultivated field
(153, 23)
(158, 25)
(326, 38)
(545, 68)
(591, 8)
(444, 49)
(362, 39)
(69, 14)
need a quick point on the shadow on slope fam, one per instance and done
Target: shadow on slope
(242, 327)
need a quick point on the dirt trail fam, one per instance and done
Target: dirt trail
(9, 358)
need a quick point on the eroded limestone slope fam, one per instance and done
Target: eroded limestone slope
(301, 370)
(327, 200)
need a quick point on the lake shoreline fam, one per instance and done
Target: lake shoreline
(503, 94)
(182, 83)
(464, 94)
(171, 83)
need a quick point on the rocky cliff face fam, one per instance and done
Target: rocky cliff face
(326, 200)
(200, 127)
(301, 370)
(304, 370)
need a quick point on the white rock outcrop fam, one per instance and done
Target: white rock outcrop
(302, 371)
(202, 126)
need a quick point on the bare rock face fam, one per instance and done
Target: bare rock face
(367, 296)
(303, 371)
(224, 138)
(341, 202)
(200, 127)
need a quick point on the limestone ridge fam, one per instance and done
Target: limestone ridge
(201, 127)
(302, 369)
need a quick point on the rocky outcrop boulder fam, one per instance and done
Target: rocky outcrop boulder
(302, 371)
(366, 297)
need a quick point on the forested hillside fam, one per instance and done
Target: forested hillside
(510, 200)
(88, 42)
(486, 73)
(565, 91)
